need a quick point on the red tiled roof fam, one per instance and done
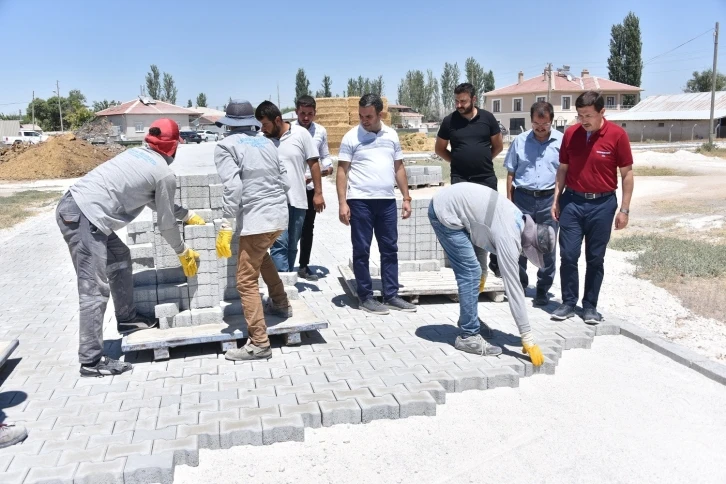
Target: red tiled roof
(137, 107)
(561, 84)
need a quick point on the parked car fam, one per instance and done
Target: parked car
(209, 135)
(25, 136)
(190, 137)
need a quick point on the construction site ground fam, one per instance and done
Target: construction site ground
(616, 412)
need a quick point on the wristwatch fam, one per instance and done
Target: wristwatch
(625, 211)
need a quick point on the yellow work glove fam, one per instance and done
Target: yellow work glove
(531, 348)
(482, 282)
(188, 260)
(194, 219)
(224, 240)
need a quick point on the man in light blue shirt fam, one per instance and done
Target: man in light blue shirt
(531, 163)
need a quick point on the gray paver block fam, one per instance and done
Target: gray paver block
(55, 475)
(94, 454)
(711, 369)
(310, 413)
(442, 377)
(434, 388)
(166, 433)
(186, 450)
(208, 434)
(349, 394)
(501, 377)
(109, 472)
(327, 396)
(340, 412)
(547, 368)
(283, 429)
(246, 431)
(288, 399)
(635, 332)
(26, 461)
(412, 404)
(115, 451)
(468, 380)
(375, 408)
(143, 469)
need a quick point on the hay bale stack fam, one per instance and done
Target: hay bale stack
(339, 115)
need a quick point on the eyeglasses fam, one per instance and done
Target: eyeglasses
(541, 125)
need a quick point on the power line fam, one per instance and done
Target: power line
(10, 104)
(678, 47)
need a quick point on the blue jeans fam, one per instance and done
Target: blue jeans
(284, 250)
(467, 269)
(367, 217)
(593, 221)
(540, 209)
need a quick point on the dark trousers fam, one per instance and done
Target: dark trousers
(306, 239)
(540, 209)
(593, 221)
(491, 182)
(366, 218)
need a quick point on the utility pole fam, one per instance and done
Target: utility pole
(278, 95)
(60, 111)
(549, 81)
(33, 109)
(713, 85)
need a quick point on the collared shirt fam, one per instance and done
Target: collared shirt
(371, 157)
(320, 139)
(533, 162)
(254, 182)
(471, 143)
(594, 161)
(295, 149)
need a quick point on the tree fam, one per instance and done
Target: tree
(302, 84)
(363, 85)
(625, 63)
(702, 81)
(153, 83)
(170, 90)
(101, 105)
(201, 100)
(78, 117)
(189, 103)
(377, 86)
(327, 83)
(412, 92)
(476, 76)
(432, 91)
(449, 81)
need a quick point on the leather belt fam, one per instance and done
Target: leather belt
(537, 193)
(590, 196)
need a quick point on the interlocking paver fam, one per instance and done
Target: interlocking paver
(109, 472)
(185, 451)
(283, 429)
(340, 412)
(115, 451)
(246, 431)
(310, 413)
(142, 469)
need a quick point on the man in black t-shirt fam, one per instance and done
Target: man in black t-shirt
(475, 141)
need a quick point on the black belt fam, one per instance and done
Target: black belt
(537, 193)
(590, 196)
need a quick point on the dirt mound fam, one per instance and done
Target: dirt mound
(416, 142)
(60, 157)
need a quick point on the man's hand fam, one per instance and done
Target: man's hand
(621, 221)
(344, 213)
(405, 209)
(555, 211)
(194, 219)
(318, 202)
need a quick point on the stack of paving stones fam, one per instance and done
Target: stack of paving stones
(162, 290)
(136, 427)
(418, 248)
(424, 176)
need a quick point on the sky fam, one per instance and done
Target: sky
(244, 50)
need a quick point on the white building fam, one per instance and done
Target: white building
(133, 118)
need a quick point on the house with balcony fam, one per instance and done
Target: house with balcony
(511, 104)
(405, 116)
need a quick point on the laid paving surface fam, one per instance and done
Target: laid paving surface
(136, 427)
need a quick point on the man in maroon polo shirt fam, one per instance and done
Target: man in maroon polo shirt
(591, 154)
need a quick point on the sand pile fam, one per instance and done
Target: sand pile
(416, 142)
(60, 157)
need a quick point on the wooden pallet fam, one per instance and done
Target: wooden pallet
(226, 333)
(6, 349)
(426, 283)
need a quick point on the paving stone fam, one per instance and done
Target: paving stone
(246, 431)
(379, 391)
(283, 429)
(109, 472)
(106, 440)
(97, 429)
(26, 461)
(434, 388)
(468, 380)
(62, 474)
(259, 412)
(115, 451)
(327, 396)
(310, 413)
(229, 414)
(341, 412)
(142, 469)
(351, 394)
(166, 433)
(302, 379)
(501, 377)
(323, 387)
(288, 399)
(208, 434)
(413, 404)
(15, 477)
(76, 443)
(711, 369)
(295, 389)
(186, 450)
(441, 377)
(375, 408)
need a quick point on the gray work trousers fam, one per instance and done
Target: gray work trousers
(103, 267)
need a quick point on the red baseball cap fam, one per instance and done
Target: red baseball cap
(163, 136)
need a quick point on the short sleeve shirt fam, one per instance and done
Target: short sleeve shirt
(471, 145)
(295, 148)
(320, 139)
(594, 161)
(371, 157)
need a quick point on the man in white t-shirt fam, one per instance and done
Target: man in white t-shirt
(370, 162)
(297, 151)
(305, 108)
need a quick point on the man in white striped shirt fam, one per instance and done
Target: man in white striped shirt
(305, 108)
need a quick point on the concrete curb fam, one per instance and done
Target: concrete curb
(6, 349)
(680, 354)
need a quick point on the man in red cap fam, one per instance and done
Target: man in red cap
(105, 200)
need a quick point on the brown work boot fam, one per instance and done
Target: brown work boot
(284, 311)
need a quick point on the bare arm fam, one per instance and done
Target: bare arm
(402, 182)
(626, 173)
(510, 186)
(497, 144)
(442, 149)
(318, 200)
(341, 185)
(559, 187)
